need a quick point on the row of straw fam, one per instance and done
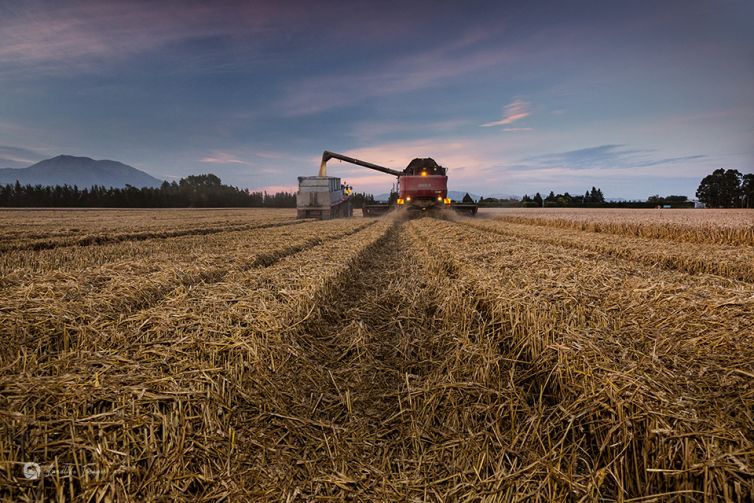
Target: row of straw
(643, 377)
(390, 391)
(51, 243)
(29, 224)
(735, 262)
(56, 310)
(726, 227)
(143, 406)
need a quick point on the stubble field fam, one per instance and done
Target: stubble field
(532, 355)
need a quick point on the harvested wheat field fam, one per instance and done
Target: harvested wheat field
(243, 355)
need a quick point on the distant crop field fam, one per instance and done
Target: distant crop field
(551, 355)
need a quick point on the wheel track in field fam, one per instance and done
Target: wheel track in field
(357, 354)
(374, 377)
(103, 239)
(54, 342)
(694, 264)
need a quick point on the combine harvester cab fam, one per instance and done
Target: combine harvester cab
(322, 197)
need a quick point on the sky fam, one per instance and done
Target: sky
(636, 97)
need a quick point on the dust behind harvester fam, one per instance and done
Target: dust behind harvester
(422, 187)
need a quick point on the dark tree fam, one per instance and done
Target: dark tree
(537, 199)
(747, 190)
(595, 196)
(721, 189)
(361, 198)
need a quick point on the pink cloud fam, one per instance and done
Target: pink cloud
(512, 112)
(222, 158)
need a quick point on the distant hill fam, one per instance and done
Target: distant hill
(80, 171)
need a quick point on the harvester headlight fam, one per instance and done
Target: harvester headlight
(446, 200)
(439, 198)
(424, 173)
(408, 198)
(400, 200)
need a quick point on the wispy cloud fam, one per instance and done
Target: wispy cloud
(518, 129)
(608, 156)
(420, 70)
(62, 37)
(512, 112)
(372, 131)
(223, 158)
(18, 157)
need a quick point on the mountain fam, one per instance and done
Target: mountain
(81, 171)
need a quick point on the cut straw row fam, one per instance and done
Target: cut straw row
(106, 238)
(654, 368)
(28, 224)
(736, 262)
(147, 406)
(726, 227)
(54, 310)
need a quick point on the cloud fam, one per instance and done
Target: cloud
(512, 112)
(73, 36)
(373, 131)
(18, 157)
(517, 129)
(420, 70)
(223, 158)
(608, 156)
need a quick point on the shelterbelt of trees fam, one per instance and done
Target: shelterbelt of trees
(197, 191)
(720, 189)
(593, 198)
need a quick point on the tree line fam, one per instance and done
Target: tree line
(721, 189)
(197, 191)
(591, 198)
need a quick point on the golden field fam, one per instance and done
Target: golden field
(524, 355)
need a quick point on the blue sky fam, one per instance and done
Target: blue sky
(636, 97)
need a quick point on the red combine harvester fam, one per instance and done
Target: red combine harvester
(422, 186)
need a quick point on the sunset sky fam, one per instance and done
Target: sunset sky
(636, 97)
